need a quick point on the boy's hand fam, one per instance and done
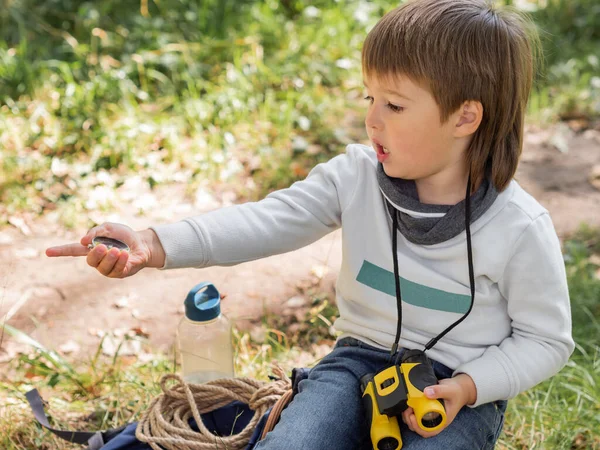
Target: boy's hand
(457, 392)
(145, 250)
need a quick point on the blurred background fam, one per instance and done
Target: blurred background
(149, 111)
(206, 90)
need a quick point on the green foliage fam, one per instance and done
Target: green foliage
(569, 86)
(561, 413)
(564, 412)
(100, 393)
(583, 272)
(568, 28)
(101, 85)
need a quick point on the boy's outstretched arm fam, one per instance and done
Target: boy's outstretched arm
(285, 220)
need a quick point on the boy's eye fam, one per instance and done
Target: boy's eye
(391, 106)
(395, 108)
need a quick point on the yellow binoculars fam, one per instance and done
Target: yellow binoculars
(390, 392)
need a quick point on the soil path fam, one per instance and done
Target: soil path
(63, 300)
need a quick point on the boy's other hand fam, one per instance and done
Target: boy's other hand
(145, 250)
(457, 392)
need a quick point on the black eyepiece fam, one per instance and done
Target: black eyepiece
(431, 419)
(388, 443)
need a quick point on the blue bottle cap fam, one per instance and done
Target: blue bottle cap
(203, 303)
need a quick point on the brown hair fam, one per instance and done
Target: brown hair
(464, 50)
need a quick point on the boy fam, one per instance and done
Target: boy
(478, 280)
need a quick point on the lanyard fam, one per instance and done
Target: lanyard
(433, 341)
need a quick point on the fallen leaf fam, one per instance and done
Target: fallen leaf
(20, 224)
(295, 302)
(298, 170)
(121, 302)
(69, 347)
(29, 375)
(140, 331)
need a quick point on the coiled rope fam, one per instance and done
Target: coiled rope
(165, 425)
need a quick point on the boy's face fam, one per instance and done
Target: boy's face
(403, 123)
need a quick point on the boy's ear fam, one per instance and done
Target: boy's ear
(469, 116)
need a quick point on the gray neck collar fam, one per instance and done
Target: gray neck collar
(425, 224)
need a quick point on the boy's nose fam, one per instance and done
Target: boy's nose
(373, 120)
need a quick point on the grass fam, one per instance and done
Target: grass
(560, 413)
(106, 392)
(564, 412)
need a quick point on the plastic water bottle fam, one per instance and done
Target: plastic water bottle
(204, 337)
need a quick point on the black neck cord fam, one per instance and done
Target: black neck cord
(433, 341)
(397, 278)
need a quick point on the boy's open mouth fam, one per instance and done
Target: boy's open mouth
(380, 149)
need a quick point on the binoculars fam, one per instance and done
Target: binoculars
(390, 392)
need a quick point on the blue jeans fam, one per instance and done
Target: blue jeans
(327, 413)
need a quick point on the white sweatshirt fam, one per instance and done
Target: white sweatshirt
(519, 331)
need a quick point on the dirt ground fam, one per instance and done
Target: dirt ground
(67, 306)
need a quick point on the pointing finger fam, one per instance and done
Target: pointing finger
(67, 250)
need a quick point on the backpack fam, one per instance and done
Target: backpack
(229, 419)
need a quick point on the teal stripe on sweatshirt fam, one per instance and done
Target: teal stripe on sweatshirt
(414, 293)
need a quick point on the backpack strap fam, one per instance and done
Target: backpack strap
(298, 374)
(276, 411)
(94, 439)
